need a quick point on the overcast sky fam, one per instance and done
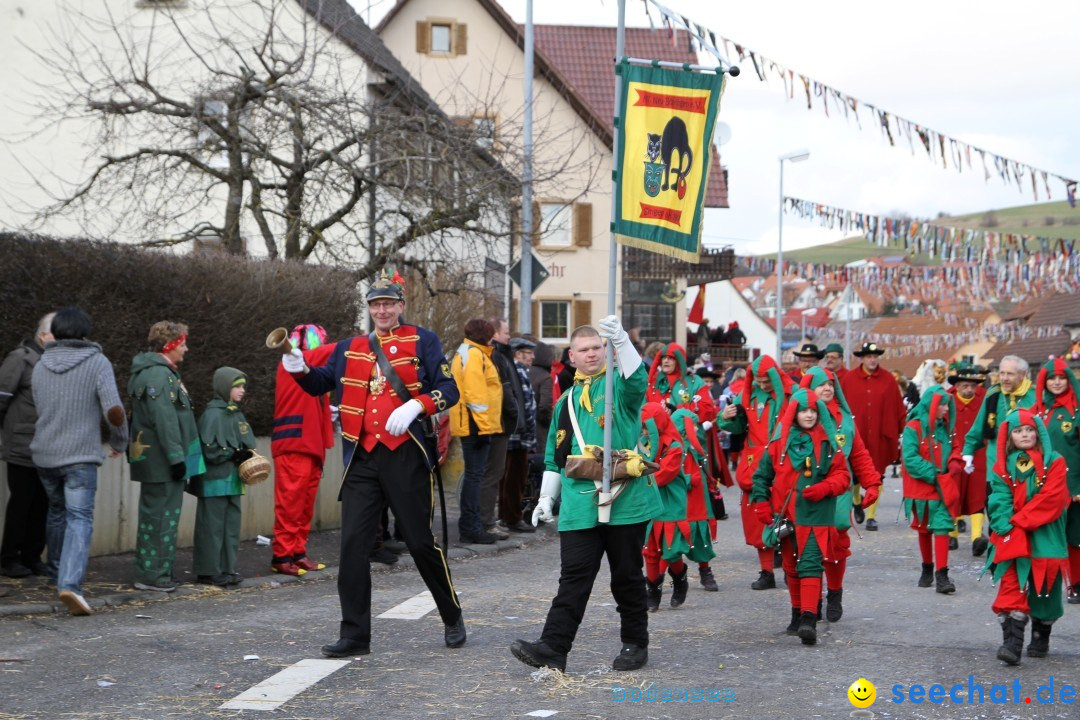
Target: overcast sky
(998, 75)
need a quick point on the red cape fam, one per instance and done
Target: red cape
(879, 412)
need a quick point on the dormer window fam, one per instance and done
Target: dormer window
(441, 37)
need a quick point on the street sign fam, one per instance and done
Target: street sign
(539, 272)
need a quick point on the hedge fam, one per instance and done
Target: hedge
(229, 303)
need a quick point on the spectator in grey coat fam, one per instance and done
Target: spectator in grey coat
(74, 388)
(24, 521)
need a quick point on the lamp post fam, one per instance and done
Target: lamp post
(797, 156)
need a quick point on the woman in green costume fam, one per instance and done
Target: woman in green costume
(1028, 555)
(227, 441)
(1057, 394)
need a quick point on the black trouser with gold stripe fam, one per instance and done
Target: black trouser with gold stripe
(398, 478)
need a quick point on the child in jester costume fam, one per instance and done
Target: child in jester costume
(667, 537)
(1057, 393)
(930, 493)
(841, 425)
(754, 415)
(671, 384)
(1028, 554)
(700, 526)
(227, 441)
(799, 479)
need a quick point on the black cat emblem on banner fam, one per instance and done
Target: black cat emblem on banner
(663, 147)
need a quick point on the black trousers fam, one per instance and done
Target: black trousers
(580, 554)
(24, 522)
(398, 478)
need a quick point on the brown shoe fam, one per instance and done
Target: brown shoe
(307, 564)
(288, 568)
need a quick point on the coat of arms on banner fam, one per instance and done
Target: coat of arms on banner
(664, 154)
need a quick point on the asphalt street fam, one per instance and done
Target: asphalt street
(185, 657)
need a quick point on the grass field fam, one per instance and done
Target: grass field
(1054, 220)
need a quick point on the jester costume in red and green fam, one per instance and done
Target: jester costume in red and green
(931, 497)
(668, 535)
(756, 415)
(799, 479)
(840, 423)
(1061, 415)
(1028, 554)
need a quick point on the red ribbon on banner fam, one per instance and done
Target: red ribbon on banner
(671, 102)
(653, 212)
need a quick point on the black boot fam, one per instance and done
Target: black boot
(708, 582)
(631, 657)
(927, 577)
(860, 514)
(808, 628)
(834, 608)
(679, 587)
(944, 584)
(954, 543)
(1074, 596)
(766, 581)
(653, 592)
(978, 546)
(1040, 638)
(1012, 642)
(793, 626)
(537, 654)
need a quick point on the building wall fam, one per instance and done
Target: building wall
(488, 79)
(724, 304)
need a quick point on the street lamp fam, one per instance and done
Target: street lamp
(797, 156)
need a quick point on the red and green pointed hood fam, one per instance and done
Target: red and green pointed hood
(1041, 456)
(1045, 401)
(795, 442)
(927, 409)
(765, 366)
(658, 380)
(687, 423)
(844, 433)
(815, 376)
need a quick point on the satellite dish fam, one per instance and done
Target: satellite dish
(721, 133)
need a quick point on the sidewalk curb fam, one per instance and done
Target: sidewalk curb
(456, 552)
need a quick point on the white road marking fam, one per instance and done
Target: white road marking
(278, 689)
(414, 608)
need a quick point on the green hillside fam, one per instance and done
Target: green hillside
(1055, 219)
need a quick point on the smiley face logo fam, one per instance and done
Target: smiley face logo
(862, 693)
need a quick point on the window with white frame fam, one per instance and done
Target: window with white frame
(555, 221)
(441, 38)
(555, 320)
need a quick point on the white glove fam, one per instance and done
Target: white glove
(626, 355)
(400, 420)
(969, 463)
(549, 490)
(706, 426)
(335, 413)
(294, 362)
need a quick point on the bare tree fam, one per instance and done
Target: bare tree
(221, 116)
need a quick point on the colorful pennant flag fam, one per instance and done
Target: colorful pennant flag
(697, 310)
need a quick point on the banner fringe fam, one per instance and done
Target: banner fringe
(659, 248)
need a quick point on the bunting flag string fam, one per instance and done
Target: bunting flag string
(950, 244)
(962, 156)
(906, 345)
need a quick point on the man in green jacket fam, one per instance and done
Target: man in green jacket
(164, 452)
(584, 540)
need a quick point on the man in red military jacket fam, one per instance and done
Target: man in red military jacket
(389, 458)
(875, 401)
(968, 392)
(303, 432)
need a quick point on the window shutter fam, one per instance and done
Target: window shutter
(536, 319)
(423, 37)
(582, 313)
(461, 42)
(583, 224)
(515, 321)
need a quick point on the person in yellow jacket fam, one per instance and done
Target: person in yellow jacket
(475, 419)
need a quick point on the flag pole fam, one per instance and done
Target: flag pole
(613, 267)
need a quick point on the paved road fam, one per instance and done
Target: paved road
(187, 657)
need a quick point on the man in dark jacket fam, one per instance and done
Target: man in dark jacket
(28, 505)
(513, 412)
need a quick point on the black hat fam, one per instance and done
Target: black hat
(386, 286)
(869, 348)
(966, 371)
(809, 350)
(705, 372)
(520, 343)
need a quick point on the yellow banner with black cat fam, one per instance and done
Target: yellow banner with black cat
(664, 153)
